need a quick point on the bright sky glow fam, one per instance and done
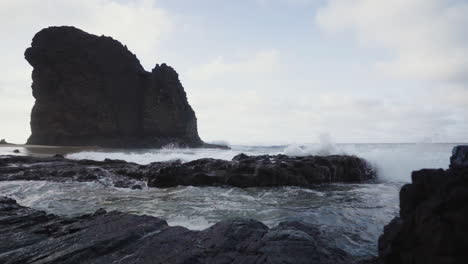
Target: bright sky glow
(275, 71)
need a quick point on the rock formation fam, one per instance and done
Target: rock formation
(31, 236)
(92, 91)
(433, 224)
(264, 171)
(242, 171)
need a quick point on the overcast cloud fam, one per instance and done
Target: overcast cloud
(275, 71)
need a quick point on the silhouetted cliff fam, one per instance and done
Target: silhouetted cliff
(92, 90)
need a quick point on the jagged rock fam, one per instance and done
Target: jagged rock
(433, 223)
(31, 236)
(459, 157)
(242, 171)
(58, 169)
(92, 91)
(264, 171)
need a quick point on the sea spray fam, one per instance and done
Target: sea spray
(394, 162)
(325, 147)
(351, 214)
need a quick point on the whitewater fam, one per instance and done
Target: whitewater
(352, 215)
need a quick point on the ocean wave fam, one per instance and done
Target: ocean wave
(394, 162)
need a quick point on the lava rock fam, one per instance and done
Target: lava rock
(264, 171)
(31, 236)
(459, 157)
(16, 151)
(92, 91)
(432, 226)
(247, 171)
(58, 169)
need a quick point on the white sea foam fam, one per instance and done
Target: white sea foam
(190, 222)
(155, 155)
(394, 162)
(326, 146)
(352, 213)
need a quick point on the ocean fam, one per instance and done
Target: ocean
(351, 215)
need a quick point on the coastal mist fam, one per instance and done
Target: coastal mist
(352, 216)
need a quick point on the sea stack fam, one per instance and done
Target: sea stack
(92, 91)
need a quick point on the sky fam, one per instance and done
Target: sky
(274, 71)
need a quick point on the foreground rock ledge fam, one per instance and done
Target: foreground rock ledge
(241, 171)
(433, 224)
(31, 236)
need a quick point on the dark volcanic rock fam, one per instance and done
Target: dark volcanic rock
(58, 169)
(242, 171)
(31, 236)
(3, 142)
(92, 90)
(459, 157)
(264, 171)
(433, 222)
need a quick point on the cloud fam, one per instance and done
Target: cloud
(424, 43)
(384, 120)
(139, 24)
(267, 93)
(265, 2)
(280, 117)
(274, 110)
(266, 61)
(426, 38)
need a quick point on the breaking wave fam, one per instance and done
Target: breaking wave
(394, 162)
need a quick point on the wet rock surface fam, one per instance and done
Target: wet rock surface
(31, 236)
(264, 171)
(433, 222)
(242, 171)
(92, 91)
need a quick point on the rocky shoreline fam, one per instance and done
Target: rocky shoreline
(241, 171)
(31, 236)
(433, 222)
(431, 227)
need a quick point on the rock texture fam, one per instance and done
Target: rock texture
(433, 224)
(242, 171)
(31, 236)
(92, 91)
(264, 171)
(459, 157)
